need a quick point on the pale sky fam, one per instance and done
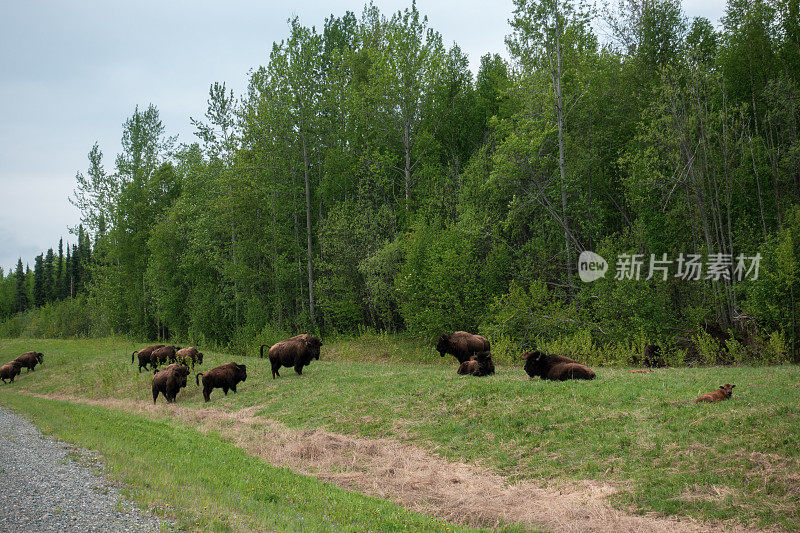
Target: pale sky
(72, 72)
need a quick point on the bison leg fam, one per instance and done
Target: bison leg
(155, 395)
(275, 367)
(299, 369)
(233, 387)
(225, 390)
(207, 393)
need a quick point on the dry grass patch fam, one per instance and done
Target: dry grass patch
(406, 474)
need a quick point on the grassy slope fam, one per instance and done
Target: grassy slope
(737, 459)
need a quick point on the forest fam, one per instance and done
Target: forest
(367, 181)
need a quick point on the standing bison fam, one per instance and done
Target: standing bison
(29, 360)
(555, 367)
(163, 354)
(462, 345)
(189, 354)
(222, 377)
(297, 352)
(169, 381)
(10, 370)
(145, 356)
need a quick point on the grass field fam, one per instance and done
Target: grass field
(736, 461)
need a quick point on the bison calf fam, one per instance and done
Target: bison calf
(462, 345)
(223, 377)
(555, 367)
(722, 393)
(29, 360)
(10, 370)
(297, 352)
(169, 381)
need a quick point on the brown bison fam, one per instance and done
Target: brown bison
(29, 360)
(462, 345)
(169, 381)
(10, 370)
(722, 393)
(555, 367)
(222, 377)
(297, 352)
(479, 364)
(189, 354)
(145, 356)
(652, 357)
(163, 354)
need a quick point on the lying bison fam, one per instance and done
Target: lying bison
(169, 381)
(10, 370)
(722, 393)
(462, 345)
(297, 352)
(29, 360)
(479, 365)
(145, 356)
(555, 367)
(222, 377)
(189, 354)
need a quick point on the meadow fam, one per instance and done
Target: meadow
(734, 462)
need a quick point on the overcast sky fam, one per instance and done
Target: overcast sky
(72, 72)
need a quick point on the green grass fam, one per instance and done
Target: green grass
(205, 483)
(735, 460)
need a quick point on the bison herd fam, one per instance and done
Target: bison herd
(473, 353)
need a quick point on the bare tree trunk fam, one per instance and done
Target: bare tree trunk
(561, 158)
(407, 167)
(308, 234)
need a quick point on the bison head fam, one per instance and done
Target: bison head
(241, 372)
(314, 344)
(443, 344)
(534, 363)
(727, 389)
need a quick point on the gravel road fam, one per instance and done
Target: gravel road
(42, 489)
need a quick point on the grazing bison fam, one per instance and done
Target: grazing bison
(29, 360)
(169, 381)
(190, 353)
(462, 345)
(145, 356)
(479, 365)
(555, 367)
(10, 370)
(161, 355)
(222, 377)
(297, 352)
(722, 393)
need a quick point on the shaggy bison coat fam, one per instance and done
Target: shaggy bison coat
(169, 381)
(10, 370)
(297, 352)
(479, 365)
(145, 356)
(462, 345)
(555, 367)
(722, 393)
(161, 355)
(222, 377)
(189, 354)
(29, 360)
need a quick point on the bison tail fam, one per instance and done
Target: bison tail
(197, 378)
(133, 354)
(262, 350)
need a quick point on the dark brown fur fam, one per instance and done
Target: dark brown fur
(10, 370)
(462, 345)
(480, 364)
(169, 381)
(555, 367)
(29, 360)
(223, 377)
(652, 357)
(722, 393)
(189, 354)
(164, 354)
(145, 356)
(297, 352)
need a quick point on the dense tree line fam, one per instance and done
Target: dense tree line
(367, 180)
